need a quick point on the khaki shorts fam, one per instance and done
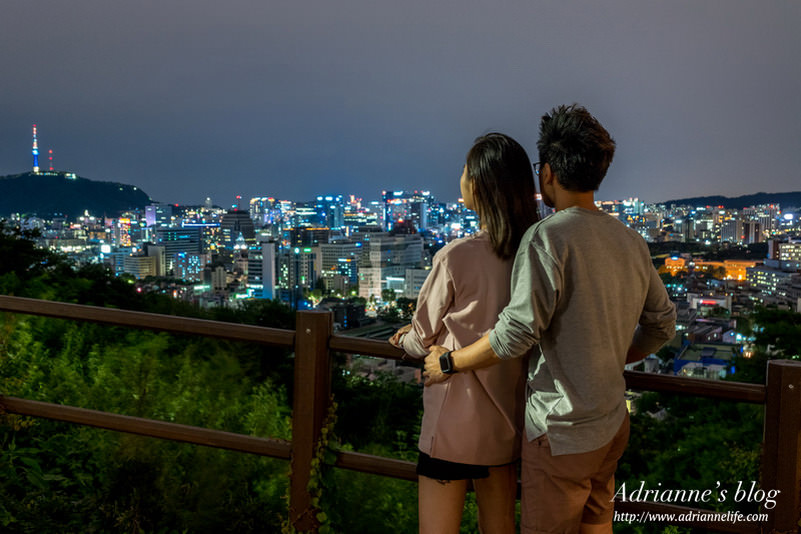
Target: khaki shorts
(561, 492)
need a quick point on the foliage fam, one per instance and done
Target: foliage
(406, 307)
(776, 334)
(687, 443)
(380, 411)
(388, 295)
(319, 476)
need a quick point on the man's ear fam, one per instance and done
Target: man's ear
(547, 175)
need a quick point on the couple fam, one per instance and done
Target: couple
(576, 296)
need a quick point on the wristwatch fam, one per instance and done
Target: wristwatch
(446, 363)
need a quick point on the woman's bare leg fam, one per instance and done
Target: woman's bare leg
(496, 496)
(440, 505)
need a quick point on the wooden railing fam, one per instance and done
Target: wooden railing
(313, 340)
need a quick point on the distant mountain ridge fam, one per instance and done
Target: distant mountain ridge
(786, 200)
(49, 194)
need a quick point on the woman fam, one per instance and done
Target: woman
(472, 422)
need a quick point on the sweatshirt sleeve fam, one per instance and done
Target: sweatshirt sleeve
(436, 297)
(536, 284)
(658, 319)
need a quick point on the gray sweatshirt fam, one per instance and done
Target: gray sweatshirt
(584, 288)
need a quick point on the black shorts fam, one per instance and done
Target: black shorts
(445, 470)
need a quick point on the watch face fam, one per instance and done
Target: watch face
(446, 363)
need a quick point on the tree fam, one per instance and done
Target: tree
(388, 295)
(406, 307)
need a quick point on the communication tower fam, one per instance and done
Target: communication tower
(35, 152)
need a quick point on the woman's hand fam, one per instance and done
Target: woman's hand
(396, 337)
(432, 372)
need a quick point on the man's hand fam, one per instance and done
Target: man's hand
(432, 370)
(396, 337)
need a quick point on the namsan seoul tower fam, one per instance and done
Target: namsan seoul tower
(35, 152)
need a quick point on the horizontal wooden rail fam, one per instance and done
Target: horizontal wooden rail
(696, 387)
(377, 465)
(366, 347)
(149, 321)
(148, 427)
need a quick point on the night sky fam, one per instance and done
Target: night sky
(291, 99)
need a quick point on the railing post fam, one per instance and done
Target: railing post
(781, 458)
(312, 390)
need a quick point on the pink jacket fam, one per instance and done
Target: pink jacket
(474, 417)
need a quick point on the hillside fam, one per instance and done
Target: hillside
(786, 200)
(57, 193)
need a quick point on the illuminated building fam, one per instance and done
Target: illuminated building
(296, 268)
(235, 223)
(331, 210)
(339, 258)
(385, 257)
(261, 270)
(308, 236)
(186, 240)
(306, 215)
(402, 206)
(158, 215)
(265, 211)
(156, 251)
(414, 279)
(122, 230)
(766, 279)
(790, 252)
(189, 266)
(675, 265)
(140, 266)
(734, 269)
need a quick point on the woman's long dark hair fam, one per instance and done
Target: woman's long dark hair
(503, 190)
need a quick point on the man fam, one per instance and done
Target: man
(585, 290)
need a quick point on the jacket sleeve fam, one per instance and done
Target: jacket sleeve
(657, 323)
(436, 297)
(536, 283)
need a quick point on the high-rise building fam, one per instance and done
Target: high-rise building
(339, 258)
(261, 270)
(187, 240)
(306, 215)
(789, 251)
(387, 256)
(414, 280)
(308, 236)
(331, 210)
(158, 215)
(140, 266)
(237, 223)
(189, 266)
(400, 206)
(296, 268)
(158, 252)
(265, 211)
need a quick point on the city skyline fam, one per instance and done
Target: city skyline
(297, 101)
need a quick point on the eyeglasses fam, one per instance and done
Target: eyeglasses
(537, 168)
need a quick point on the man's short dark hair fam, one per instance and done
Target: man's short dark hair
(576, 146)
